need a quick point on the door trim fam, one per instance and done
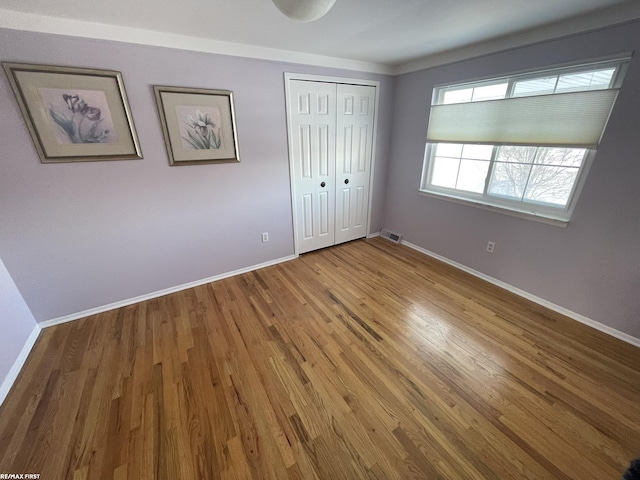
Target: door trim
(288, 77)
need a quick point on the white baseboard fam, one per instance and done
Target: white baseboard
(373, 235)
(159, 293)
(540, 301)
(11, 377)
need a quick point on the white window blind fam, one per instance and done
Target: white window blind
(574, 119)
(566, 107)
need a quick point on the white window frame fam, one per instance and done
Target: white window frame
(546, 213)
(531, 210)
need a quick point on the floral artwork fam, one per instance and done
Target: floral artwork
(198, 124)
(80, 116)
(74, 114)
(200, 127)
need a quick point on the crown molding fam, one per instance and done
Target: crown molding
(29, 22)
(620, 13)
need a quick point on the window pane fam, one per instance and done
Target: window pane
(516, 154)
(509, 179)
(472, 175)
(453, 150)
(535, 86)
(477, 152)
(445, 172)
(490, 92)
(585, 81)
(565, 157)
(457, 96)
(551, 184)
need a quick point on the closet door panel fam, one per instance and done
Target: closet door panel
(354, 147)
(312, 116)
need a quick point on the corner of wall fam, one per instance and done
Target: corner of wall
(19, 328)
(15, 369)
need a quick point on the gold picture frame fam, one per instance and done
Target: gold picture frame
(198, 124)
(74, 114)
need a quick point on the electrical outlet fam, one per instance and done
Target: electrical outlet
(265, 236)
(491, 247)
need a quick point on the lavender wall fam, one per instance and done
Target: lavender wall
(591, 267)
(16, 325)
(81, 235)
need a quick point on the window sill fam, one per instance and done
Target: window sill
(536, 217)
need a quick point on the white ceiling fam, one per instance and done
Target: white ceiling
(386, 36)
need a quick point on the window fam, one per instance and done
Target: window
(521, 143)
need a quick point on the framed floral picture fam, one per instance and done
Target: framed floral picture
(199, 125)
(74, 114)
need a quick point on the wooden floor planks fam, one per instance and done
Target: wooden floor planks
(363, 361)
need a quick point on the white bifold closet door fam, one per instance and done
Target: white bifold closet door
(331, 128)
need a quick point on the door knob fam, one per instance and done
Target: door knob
(322, 184)
(346, 180)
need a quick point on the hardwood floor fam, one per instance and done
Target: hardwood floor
(363, 361)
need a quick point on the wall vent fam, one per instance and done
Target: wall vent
(389, 235)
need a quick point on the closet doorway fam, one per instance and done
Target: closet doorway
(331, 126)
